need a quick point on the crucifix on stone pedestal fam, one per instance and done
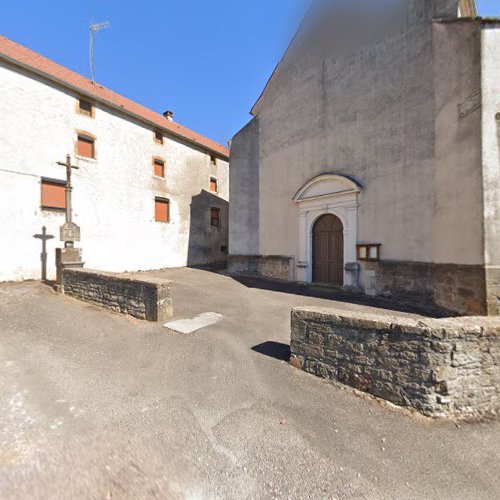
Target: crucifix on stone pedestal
(69, 231)
(69, 256)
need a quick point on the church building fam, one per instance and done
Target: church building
(147, 193)
(372, 161)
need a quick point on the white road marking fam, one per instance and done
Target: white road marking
(192, 325)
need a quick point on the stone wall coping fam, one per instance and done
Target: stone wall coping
(426, 327)
(130, 277)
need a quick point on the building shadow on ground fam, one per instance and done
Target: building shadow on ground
(275, 350)
(406, 305)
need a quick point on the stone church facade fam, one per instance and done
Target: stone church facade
(372, 160)
(148, 193)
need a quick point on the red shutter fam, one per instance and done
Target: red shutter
(159, 168)
(162, 210)
(213, 185)
(53, 195)
(85, 147)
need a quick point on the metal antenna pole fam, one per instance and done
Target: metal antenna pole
(94, 28)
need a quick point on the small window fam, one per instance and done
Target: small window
(213, 159)
(158, 136)
(53, 194)
(85, 107)
(213, 184)
(159, 168)
(215, 217)
(85, 146)
(162, 210)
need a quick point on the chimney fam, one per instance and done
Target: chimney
(169, 115)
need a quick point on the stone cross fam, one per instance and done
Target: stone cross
(70, 232)
(43, 256)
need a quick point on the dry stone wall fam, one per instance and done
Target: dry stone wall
(144, 299)
(443, 368)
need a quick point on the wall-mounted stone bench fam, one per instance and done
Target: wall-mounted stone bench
(441, 367)
(144, 298)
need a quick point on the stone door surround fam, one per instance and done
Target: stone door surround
(335, 194)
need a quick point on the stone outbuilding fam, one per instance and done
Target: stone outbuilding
(372, 161)
(148, 193)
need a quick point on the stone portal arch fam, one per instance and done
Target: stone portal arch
(333, 194)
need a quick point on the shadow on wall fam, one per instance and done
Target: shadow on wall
(208, 232)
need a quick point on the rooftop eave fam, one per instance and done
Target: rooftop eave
(477, 19)
(108, 104)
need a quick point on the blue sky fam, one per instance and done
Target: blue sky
(207, 60)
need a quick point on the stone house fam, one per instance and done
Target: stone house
(149, 193)
(372, 160)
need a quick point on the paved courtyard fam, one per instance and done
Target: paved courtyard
(99, 405)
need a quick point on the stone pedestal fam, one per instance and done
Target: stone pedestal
(67, 258)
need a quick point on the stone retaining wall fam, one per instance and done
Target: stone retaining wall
(264, 266)
(443, 368)
(148, 299)
(460, 289)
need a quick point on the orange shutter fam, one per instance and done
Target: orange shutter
(85, 147)
(213, 185)
(162, 210)
(159, 168)
(53, 195)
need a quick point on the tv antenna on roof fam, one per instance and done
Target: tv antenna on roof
(94, 28)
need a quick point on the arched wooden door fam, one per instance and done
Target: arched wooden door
(328, 250)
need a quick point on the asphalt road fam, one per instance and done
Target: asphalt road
(98, 405)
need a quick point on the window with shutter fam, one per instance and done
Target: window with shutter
(213, 184)
(85, 146)
(215, 217)
(159, 168)
(158, 136)
(85, 107)
(162, 210)
(53, 194)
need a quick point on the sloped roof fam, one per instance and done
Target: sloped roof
(28, 59)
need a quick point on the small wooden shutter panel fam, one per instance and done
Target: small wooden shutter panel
(162, 210)
(213, 185)
(85, 146)
(215, 217)
(159, 168)
(85, 107)
(53, 195)
(158, 136)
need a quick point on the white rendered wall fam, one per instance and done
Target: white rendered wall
(113, 196)
(491, 140)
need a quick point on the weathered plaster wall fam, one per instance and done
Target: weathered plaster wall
(443, 368)
(244, 182)
(367, 113)
(113, 195)
(458, 206)
(398, 108)
(490, 63)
